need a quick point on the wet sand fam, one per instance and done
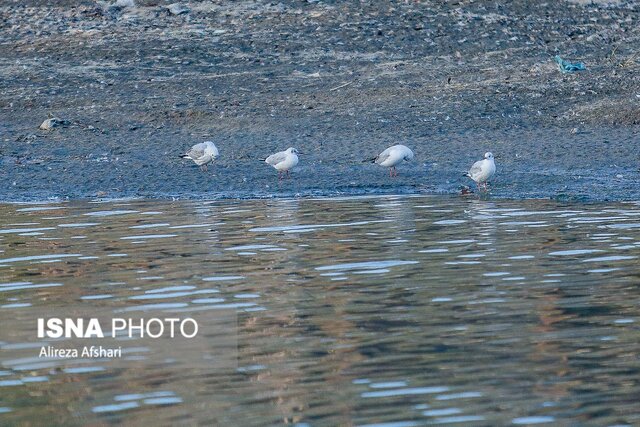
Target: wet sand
(340, 81)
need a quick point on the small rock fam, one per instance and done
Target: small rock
(465, 190)
(51, 123)
(178, 9)
(124, 3)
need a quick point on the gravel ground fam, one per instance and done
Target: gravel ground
(339, 80)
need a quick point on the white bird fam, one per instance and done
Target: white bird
(392, 156)
(283, 161)
(202, 154)
(482, 170)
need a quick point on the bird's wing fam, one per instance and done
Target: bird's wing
(384, 155)
(274, 159)
(476, 168)
(196, 151)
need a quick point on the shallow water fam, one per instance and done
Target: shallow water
(396, 311)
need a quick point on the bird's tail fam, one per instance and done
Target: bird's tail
(184, 156)
(466, 174)
(371, 160)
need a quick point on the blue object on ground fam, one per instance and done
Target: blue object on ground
(569, 67)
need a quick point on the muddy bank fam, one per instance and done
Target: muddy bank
(338, 80)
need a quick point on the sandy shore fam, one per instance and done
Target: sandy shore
(338, 80)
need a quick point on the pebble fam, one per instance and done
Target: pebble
(125, 3)
(51, 123)
(178, 9)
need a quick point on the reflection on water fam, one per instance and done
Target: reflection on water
(395, 311)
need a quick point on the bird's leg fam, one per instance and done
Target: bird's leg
(391, 172)
(279, 175)
(288, 176)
